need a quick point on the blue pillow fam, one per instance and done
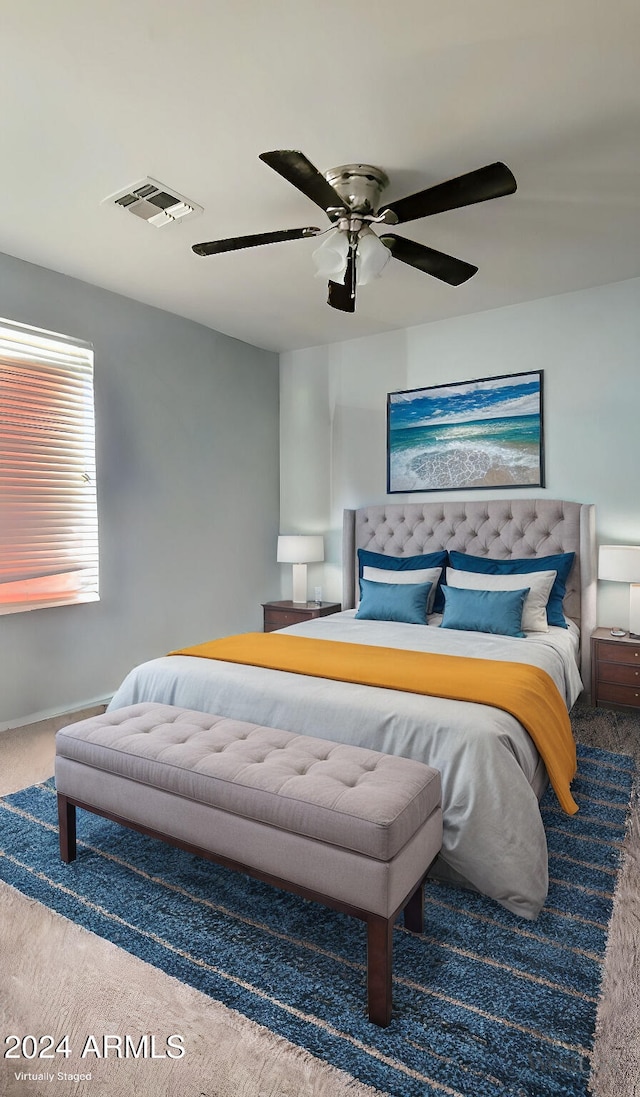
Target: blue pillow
(496, 611)
(406, 563)
(562, 563)
(394, 602)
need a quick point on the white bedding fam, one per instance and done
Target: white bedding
(492, 774)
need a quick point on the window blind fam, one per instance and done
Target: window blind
(48, 504)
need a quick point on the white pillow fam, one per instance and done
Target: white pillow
(534, 613)
(420, 575)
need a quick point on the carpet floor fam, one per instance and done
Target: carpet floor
(485, 1005)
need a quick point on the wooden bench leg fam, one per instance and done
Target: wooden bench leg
(67, 828)
(379, 966)
(414, 911)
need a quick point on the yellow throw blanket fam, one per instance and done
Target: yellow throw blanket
(526, 692)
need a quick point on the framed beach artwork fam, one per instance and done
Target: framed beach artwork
(469, 434)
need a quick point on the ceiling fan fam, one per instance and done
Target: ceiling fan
(352, 253)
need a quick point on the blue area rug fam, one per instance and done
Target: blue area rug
(485, 1004)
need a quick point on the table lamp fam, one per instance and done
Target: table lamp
(621, 564)
(300, 550)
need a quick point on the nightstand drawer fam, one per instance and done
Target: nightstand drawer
(280, 619)
(619, 695)
(619, 653)
(615, 669)
(619, 673)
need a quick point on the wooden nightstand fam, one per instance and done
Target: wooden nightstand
(615, 669)
(279, 614)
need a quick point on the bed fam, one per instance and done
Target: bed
(492, 773)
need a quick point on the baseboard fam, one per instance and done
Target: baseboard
(52, 714)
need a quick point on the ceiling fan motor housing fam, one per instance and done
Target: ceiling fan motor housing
(359, 185)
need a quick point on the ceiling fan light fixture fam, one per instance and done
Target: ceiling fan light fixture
(330, 257)
(372, 256)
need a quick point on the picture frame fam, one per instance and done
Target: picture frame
(467, 435)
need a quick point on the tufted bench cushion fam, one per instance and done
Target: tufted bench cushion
(350, 827)
(346, 796)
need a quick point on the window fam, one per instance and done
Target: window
(48, 506)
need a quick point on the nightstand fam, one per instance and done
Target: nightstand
(615, 669)
(279, 614)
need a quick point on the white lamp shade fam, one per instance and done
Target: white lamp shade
(619, 563)
(300, 549)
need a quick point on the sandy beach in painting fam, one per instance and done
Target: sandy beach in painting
(467, 467)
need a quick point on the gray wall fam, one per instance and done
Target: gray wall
(333, 418)
(188, 494)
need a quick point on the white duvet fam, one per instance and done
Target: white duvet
(492, 774)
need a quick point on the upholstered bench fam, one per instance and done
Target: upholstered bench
(345, 826)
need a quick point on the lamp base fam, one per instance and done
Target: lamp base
(299, 584)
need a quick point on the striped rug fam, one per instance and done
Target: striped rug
(485, 1004)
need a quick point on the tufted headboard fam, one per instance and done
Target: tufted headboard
(498, 528)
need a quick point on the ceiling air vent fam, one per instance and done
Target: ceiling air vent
(154, 202)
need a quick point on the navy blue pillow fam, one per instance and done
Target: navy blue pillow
(394, 602)
(562, 563)
(495, 611)
(406, 563)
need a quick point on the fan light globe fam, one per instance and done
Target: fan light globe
(371, 258)
(331, 257)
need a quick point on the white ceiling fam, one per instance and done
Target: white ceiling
(97, 95)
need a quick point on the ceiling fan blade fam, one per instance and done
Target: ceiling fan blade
(445, 267)
(492, 181)
(298, 170)
(234, 243)
(342, 295)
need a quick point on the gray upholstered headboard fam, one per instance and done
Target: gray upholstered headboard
(498, 528)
